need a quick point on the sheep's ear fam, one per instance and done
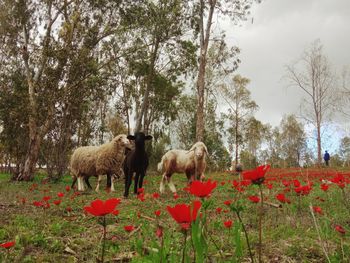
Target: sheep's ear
(131, 137)
(148, 137)
(206, 150)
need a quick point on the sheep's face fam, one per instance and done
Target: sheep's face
(199, 152)
(139, 139)
(123, 140)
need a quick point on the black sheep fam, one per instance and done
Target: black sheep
(136, 162)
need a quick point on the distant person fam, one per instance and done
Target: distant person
(326, 158)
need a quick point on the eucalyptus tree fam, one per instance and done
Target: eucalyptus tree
(204, 13)
(241, 108)
(61, 46)
(344, 150)
(314, 76)
(273, 141)
(253, 135)
(160, 28)
(293, 143)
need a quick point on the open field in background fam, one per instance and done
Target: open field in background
(64, 233)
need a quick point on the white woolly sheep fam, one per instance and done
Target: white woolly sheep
(191, 162)
(106, 159)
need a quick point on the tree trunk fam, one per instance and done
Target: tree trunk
(145, 101)
(27, 172)
(204, 42)
(319, 150)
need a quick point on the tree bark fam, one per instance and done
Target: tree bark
(144, 105)
(204, 43)
(27, 173)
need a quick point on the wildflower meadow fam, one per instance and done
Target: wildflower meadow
(260, 215)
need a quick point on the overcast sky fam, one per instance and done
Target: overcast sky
(277, 34)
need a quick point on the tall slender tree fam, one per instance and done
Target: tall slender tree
(314, 76)
(241, 108)
(236, 10)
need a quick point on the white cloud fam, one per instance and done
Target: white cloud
(280, 32)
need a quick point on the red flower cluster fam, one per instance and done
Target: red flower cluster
(303, 190)
(185, 214)
(256, 176)
(202, 189)
(100, 208)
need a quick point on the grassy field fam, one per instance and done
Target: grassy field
(65, 233)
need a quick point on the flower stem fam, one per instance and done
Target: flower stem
(104, 239)
(260, 222)
(184, 249)
(246, 236)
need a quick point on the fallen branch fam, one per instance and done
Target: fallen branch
(273, 205)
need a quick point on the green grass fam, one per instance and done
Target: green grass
(55, 235)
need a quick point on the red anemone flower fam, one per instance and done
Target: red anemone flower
(282, 198)
(57, 202)
(176, 196)
(324, 187)
(60, 194)
(202, 189)
(218, 210)
(8, 245)
(318, 210)
(100, 208)
(67, 188)
(256, 176)
(155, 195)
(159, 232)
(228, 224)
(37, 204)
(227, 202)
(157, 212)
(340, 229)
(129, 228)
(115, 212)
(254, 198)
(46, 198)
(185, 214)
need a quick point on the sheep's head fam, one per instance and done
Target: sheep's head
(122, 140)
(139, 138)
(200, 150)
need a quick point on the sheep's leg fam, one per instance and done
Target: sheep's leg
(109, 182)
(86, 179)
(80, 184)
(141, 179)
(137, 176)
(171, 185)
(128, 178)
(162, 184)
(74, 181)
(112, 186)
(98, 183)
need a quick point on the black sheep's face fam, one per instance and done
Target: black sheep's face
(139, 138)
